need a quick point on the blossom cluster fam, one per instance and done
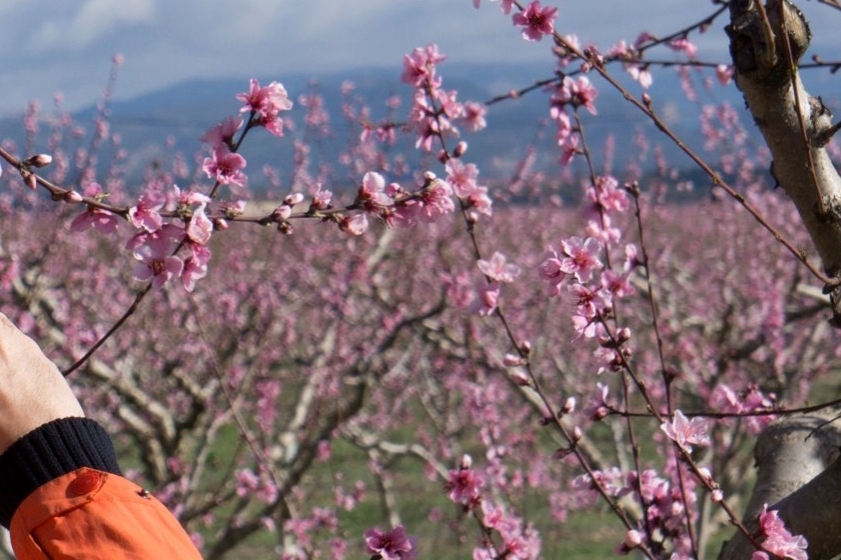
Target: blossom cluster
(535, 20)
(574, 93)
(778, 540)
(433, 117)
(664, 502)
(577, 265)
(519, 540)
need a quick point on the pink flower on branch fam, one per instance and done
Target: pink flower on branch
(146, 213)
(473, 116)
(419, 66)
(373, 199)
(497, 269)
(578, 93)
(222, 134)
(265, 103)
(154, 251)
(390, 545)
(536, 21)
(686, 432)
(225, 166)
(195, 266)
(99, 219)
(354, 225)
(581, 257)
(551, 271)
(778, 540)
(463, 484)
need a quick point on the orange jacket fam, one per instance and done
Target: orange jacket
(94, 515)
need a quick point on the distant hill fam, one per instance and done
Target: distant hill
(183, 112)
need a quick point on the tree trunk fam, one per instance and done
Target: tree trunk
(799, 472)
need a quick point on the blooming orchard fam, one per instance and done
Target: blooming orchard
(621, 353)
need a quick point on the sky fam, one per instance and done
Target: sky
(49, 46)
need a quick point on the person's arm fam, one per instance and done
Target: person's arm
(61, 492)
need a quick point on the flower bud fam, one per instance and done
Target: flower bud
(569, 406)
(293, 199)
(461, 147)
(72, 196)
(282, 212)
(520, 378)
(633, 539)
(39, 160)
(512, 360)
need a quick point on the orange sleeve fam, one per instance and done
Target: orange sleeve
(96, 515)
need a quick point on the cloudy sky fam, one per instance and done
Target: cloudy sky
(48, 46)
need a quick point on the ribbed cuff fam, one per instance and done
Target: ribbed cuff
(52, 450)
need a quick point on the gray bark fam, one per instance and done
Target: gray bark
(798, 469)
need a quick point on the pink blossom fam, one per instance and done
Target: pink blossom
(99, 219)
(588, 327)
(550, 270)
(632, 259)
(578, 93)
(488, 299)
(462, 177)
(265, 103)
(154, 251)
(145, 214)
(436, 199)
(606, 197)
(685, 432)
(497, 269)
(536, 21)
(779, 541)
(354, 225)
(222, 134)
(479, 200)
(569, 149)
(225, 166)
(199, 227)
(249, 484)
(581, 257)
(321, 200)
(419, 65)
(588, 302)
(390, 545)
(373, 198)
(473, 116)
(615, 285)
(448, 104)
(683, 45)
(597, 407)
(195, 266)
(724, 73)
(463, 485)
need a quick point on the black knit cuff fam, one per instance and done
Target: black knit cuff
(48, 452)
